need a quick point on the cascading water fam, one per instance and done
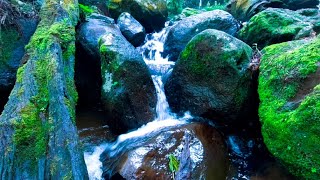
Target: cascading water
(159, 66)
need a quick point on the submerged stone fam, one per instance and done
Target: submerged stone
(289, 90)
(197, 149)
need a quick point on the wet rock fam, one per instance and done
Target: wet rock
(274, 25)
(90, 31)
(13, 41)
(181, 33)
(243, 10)
(128, 92)
(152, 14)
(289, 74)
(131, 29)
(199, 148)
(211, 77)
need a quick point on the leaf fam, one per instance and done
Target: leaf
(173, 163)
(313, 170)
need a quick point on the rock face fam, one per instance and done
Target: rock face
(211, 77)
(11, 53)
(279, 25)
(243, 10)
(180, 34)
(38, 136)
(199, 149)
(152, 14)
(128, 92)
(289, 89)
(131, 29)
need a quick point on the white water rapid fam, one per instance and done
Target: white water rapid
(159, 66)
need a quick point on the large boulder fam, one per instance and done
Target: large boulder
(289, 90)
(152, 14)
(128, 92)
(181, 33)
(198, 148)
(211, 77)
(275, 25)
(131, 29)
(88, 66)
(243, 10)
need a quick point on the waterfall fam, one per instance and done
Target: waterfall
(158, 66)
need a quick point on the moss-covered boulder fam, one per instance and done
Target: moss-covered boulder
(181, 33)
(289, 90)
(38, 136)
(152, 14)
(275, 25)
(127, 91)
(243, 10)
(211, 77)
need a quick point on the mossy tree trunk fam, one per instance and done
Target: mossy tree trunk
(38, 136)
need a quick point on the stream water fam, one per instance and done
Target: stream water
(100, 139)
(158, 66)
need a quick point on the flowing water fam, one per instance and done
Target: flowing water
(158, 66)
(243, 161)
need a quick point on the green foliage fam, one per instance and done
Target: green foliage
(173, 163)
(284, 68)
(86, 10)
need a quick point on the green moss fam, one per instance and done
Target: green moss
(32, 129)
(291, 133)
(86, 10)
(273, 26)
(31, 134)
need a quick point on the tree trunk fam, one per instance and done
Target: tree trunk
(38, 136)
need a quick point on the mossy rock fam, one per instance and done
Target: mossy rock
(152, 14)
(211, 77)
(289, 90)
(128, 92)
(274, 25)
(243, 10)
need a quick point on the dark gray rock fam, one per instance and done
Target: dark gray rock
(131, 29)
(128, 92)
(181, 33)
(199, 149)
(90, 31)
(152, 14)
(211, 77)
